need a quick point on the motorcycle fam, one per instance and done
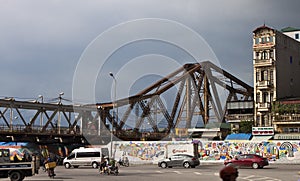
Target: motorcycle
(110, 170)
(50, 168)
(51, 173)
(124, 162)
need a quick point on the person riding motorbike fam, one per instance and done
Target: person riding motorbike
(124, 161)
(109, 167)
(50, 170)
(103, 164)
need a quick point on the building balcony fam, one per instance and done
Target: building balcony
(239, 117)
(262, 63)
(286, 119)
(264, 84)
(263, 106)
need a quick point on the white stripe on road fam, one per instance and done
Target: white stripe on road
(177, 172)
(197, 173)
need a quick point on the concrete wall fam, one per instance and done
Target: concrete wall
(287, 66)
(151, 152)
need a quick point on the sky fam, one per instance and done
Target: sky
(44, 44)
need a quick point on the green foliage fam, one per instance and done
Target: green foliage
(279, 108)
(246, 126)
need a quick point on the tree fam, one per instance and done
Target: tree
(246, 126)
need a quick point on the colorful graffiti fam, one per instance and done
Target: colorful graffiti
(210, 150)
(152, 151)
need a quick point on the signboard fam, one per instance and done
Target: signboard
(264, 131)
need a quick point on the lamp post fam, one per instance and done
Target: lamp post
(41, 119)
(116, 112)
(58, 119)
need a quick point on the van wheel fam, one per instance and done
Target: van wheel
(95, 165)
(67, 165)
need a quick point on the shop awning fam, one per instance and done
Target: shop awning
(261, 138)
(239, 136)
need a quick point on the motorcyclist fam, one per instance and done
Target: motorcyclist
(50, 170)
(103, 164)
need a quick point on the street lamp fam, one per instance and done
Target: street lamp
(116, 112)
(41, 120)
(59, 97)
(58, 120)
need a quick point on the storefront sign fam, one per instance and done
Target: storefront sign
(266, 131)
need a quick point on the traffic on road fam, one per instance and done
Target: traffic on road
(274, 172)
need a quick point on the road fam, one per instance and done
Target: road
(281, 172)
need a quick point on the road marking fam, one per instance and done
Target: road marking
(159, 171)
(197, 173)
(256, 178)
(178, 172)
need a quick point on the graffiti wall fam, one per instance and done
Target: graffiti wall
(208, 150)
(152, 151)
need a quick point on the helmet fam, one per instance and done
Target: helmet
(227, 171)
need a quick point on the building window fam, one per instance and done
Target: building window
(257, 55)
(256, 40)
(271, 54)
(257, 76)
(271, 96)
(297, 36)
(264, 75)
(271, 39)
(258, 97)
(264, 55)
(271, 77)
(265, 97)
(291, 59)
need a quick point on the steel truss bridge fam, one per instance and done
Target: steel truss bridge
(194, 94)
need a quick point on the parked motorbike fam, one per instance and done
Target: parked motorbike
(124, 162)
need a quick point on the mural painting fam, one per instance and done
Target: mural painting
(210, 150)
(152, 151)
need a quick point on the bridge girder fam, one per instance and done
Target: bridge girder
(181, 99)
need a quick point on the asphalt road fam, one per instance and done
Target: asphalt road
(281, 172)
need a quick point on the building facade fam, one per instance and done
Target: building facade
(292, 32)
(276, 62)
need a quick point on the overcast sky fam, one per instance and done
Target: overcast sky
(42, 42)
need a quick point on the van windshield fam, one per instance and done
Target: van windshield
(71, 156)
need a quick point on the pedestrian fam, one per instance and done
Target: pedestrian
(229, 173)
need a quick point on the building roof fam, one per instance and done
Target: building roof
(262, 27)
(239, 136)
(289, 29)
(291, 100)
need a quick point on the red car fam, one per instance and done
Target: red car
(248, 160)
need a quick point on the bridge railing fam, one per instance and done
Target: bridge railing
(36, 129)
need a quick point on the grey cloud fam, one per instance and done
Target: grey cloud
(41, 41)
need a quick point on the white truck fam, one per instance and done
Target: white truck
(18, 170)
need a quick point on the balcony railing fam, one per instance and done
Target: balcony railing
(262, 62)
(239, 117)
(287, 118)
(264, 83)
(263, 105)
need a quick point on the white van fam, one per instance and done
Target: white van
(85, 157)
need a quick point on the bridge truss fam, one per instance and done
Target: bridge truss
(195, 94)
